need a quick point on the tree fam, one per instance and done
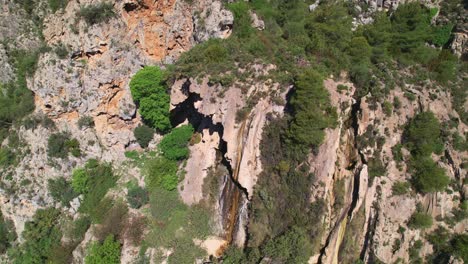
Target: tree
(80, 181)
(41, 235)
(106, 253)
(427, 176)
(420, 221)
(143, 134)
(459, 245)
(174, 145)
(149, 91)
(311, 109)
(291, 247)
(423, 135)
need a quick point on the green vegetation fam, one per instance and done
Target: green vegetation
(162, 172)
(7, 234)
(174, 145)
(149, 91)
(292, 247)
(441, 34)
(85, 122)
(400, 188)
(143, 134)
(176, 225)
(311, 110)
(107, 252)
(60, 144)
(61, 190)
(423, 137)
(41, 235)
(97, 13)
(55, 5)
(420, 220)
(446, 245)
(136, 196)
(93, 181)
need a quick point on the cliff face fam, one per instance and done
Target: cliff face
(363, 218)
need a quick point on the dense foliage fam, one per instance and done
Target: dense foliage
(162, 172)
(143, 134)
(7, 233)
(149, 91)
(174, 145)
(61, 190)
(423, 137)
(106, 253)
(41, 235)
(93, 181)
(60, 144)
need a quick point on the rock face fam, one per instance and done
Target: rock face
(235, 140)
(342, 157)
(92, 80)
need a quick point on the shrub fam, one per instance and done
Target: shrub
(7, 157)
(427, 176)
(441, 34)
(85, 122)
(56, 145)
(149, 90)
(143, 135)
(162, 173)
(135, 230)
(459, 245)
(107, 252)
(400, 188)
(420, 221)
(7, 233)
(137, 196)
(93, 181)
(41, 235)
(113, 222)
(423, 135)
(60, 144)
(292, 247)
(97, 13)
(61, 51)
(61, 190)
(55, 5)
(174, 145)
(311, 109)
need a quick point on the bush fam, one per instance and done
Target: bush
(427, 176)
(149, 90)
(85, 122)
(41, 235)
(174, 145)
(55, 5)
(113, 222)
(137, 196)
(162, 172)
(311, 109)
(400, 188)
(97, 13)
(292, 247)
(106, 253)
(7, 234)
(61, 191)
(441, 34)
(61, 51)
(143, 135)
(7, 157)
(459, 245)
(422, 136)
(60, 144)
(420, 221)
(93, 181)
